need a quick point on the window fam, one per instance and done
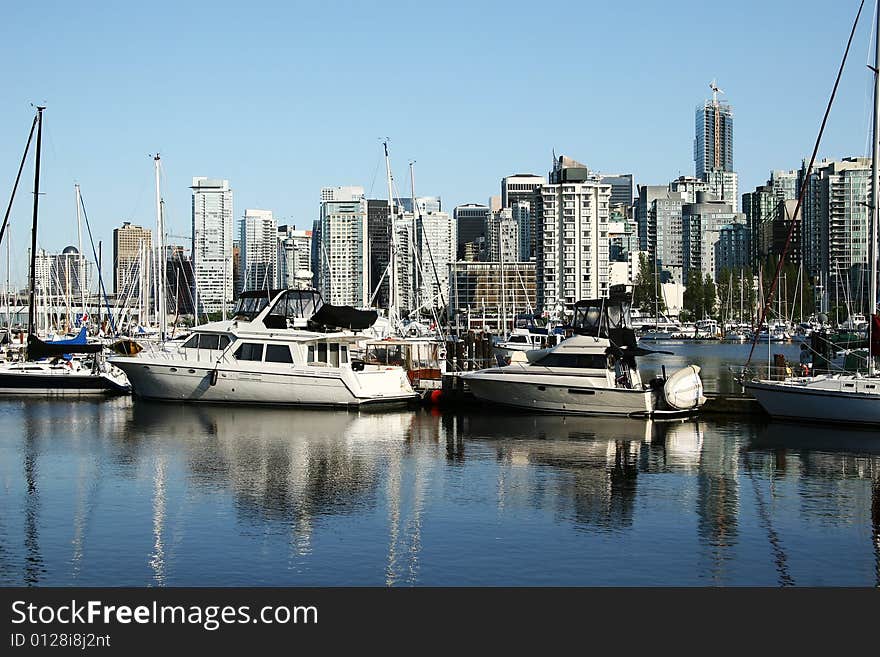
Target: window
(311, 356)
(278, 353)
(587, 361)
(334, 355)
(322, 352)
(249, 351)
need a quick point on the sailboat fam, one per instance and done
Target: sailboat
(838, 398)
(49, 368)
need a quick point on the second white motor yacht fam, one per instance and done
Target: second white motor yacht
(592, 372)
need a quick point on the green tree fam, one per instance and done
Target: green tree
(708, 296)
(693, 294)
(646, 288)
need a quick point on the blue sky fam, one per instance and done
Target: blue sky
(284, 98)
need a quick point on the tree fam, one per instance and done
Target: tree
(708, 296)
(645, 291)
(693, 294)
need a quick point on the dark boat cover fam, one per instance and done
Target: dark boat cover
(37, 348)
(344, 317)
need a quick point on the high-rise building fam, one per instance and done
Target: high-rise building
(732, 250)
(435, 243)
(62, 277)
(470, 222)
(179, 276)
(713, 143)
(702, 223)
(294, 257)
(835, 225)
(212, 229)
(571, 221)
(519, 190)
(723, 185)
(519, 187)
(621, 187)
(342, 247)
(504, 238)
(258, 235)
(132, 247)
(379, 240)
(658, 213)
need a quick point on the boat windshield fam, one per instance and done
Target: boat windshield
(294, 305)
(248, 307)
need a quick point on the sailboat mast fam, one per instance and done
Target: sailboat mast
(32, 283)
(875, 183)
(160, 259)
(80, 262)
(393, 301)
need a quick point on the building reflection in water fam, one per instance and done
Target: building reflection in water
(291, 472)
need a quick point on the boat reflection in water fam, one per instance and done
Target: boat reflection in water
(152, 493)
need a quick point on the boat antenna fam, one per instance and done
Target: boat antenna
(32, 310)
(788, 238)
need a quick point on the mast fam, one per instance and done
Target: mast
(160, 260)
(875, 183)
(80, 263)
(32, 283)
(393, 301)
(418, 274)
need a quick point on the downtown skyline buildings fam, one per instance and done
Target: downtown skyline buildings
(668, 228)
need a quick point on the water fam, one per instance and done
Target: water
(124, 492)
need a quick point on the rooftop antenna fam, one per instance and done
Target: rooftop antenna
(715, 91)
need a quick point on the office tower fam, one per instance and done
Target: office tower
(238, 280)
(435, 242)
(294, 257)
(521, 211)
(769, 211)
(835, 225)
(470, 222)
(258, 236)
(732, 250)
(713, 143)
(342, 247)
(179, 276)
(659, 224)
(702, 223)
(621, 187)
(63, 278)
(571, 221)
(132, 247)
(504, 238)
(519, 189)
(212, 219)
(723, 185)
(379, 241)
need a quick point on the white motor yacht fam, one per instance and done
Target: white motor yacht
(593, 372)
(280, 348)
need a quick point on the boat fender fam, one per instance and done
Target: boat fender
(684, 390)
(214, 374)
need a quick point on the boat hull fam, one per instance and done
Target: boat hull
(569, 395)
(74, 385)
(802, 402)
(190, 382)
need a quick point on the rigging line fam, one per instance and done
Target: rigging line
(100, 273)
(800, 200)
(17, 179)
(869, 87)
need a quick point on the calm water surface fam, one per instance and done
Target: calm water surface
(126, 492)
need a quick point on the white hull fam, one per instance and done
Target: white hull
(180, 380)
(564, 394)
(826, 401)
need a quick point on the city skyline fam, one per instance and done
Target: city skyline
(100, 128)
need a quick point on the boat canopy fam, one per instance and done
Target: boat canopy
(343, 317)
(609, 317)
